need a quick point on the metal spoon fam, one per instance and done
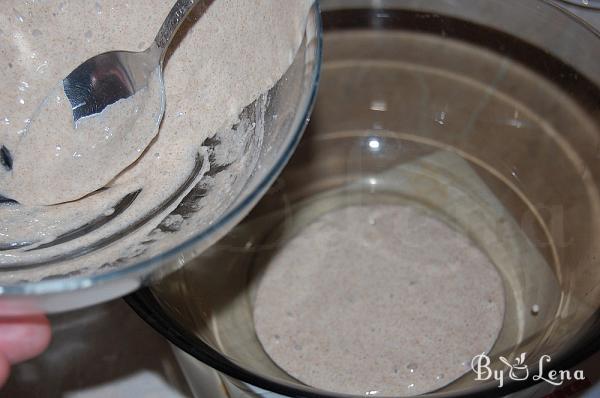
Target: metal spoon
(107, 78)
(96, 84)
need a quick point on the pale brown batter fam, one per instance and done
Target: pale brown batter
(379, 300)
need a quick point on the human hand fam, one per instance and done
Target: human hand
(21, 338)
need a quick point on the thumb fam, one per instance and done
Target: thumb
(23, 337)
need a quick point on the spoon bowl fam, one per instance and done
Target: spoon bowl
(108, 78)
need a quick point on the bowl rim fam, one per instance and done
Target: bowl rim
(591, 5)
(244, 204)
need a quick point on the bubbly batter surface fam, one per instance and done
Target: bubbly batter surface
(378, 300)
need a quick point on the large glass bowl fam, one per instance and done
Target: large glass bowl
(266, 136)
(484, 113)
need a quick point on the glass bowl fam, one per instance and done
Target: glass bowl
(266, 136)
(482, 113)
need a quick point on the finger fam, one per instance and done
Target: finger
(4, 370)
(22, 338)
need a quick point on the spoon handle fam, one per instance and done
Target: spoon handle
(176, 16)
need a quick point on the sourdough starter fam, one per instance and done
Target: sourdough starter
(378, 300)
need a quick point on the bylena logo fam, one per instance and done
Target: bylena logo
(519, 370)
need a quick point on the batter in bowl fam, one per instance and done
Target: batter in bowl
(378, 300)
(235, 52)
